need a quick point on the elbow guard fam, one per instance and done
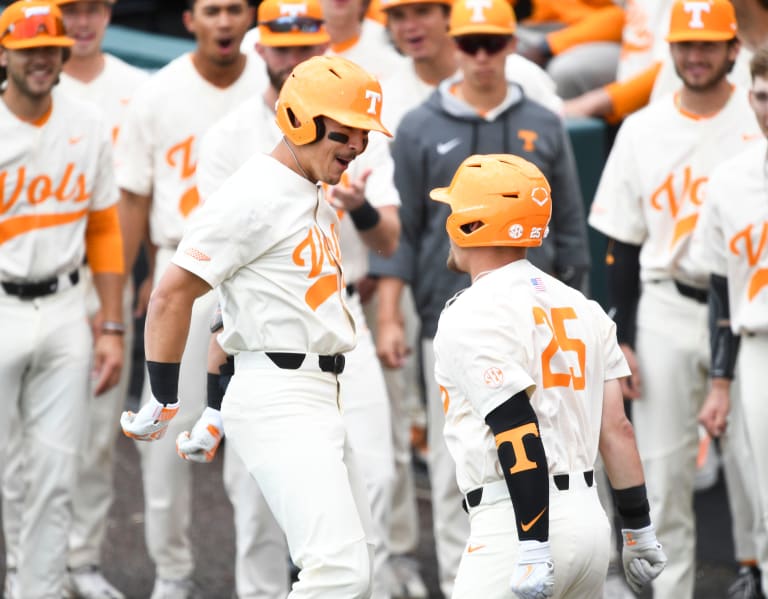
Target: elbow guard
(521, 454)
(724, 345)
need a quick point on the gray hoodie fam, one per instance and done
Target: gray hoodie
(431, 141)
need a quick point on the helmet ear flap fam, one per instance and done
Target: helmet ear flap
(304, 132)
(319, 128)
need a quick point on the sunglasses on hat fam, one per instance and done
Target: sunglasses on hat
(293, 25)
(33, 25)
(472, 44)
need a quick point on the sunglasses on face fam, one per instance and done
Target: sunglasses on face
(34, 25)
(472, 44)
(293, 24)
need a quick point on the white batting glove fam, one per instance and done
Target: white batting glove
(150, 422)
(201, 444)
(534, 574)
(642, 556)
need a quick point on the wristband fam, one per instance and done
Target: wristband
(164, 381)
(110, 327)
(632, 505)
(365, 217)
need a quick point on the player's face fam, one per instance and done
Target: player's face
(482, 60)
(281, 61)
(219, 27)
(86, 22)
(455, 261)
(335, 11)
(34, 71)
(328, 159)
(758, 98)
(703, 65)
(420, 31)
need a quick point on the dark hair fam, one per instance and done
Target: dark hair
(191, 3)
(758, 66)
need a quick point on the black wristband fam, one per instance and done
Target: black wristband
(215, 392)
(632, 506)
(365, 217)
(164, 381)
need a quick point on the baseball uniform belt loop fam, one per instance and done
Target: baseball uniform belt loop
(293, 361)
(496, 491)
(29, 291)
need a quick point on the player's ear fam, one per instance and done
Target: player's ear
(3, 57)
(251, 16)
(188, 20)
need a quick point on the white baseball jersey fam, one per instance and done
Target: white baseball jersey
(371, 50)
(403, 90)
(251, 128)
(156, 153)
(111, 90)
(51, 176)
(655, 179)
(731, 237)
(273, 250)
(518, 329)
(646, 24)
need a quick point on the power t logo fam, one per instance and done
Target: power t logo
(696, 9)
(375, 100)
(293, 10)
(478, 9)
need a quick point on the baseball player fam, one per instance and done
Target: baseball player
(528, 370)
(281, 260)
(157, 155)
(58, 206)
(647, 203)
(730, 242)
(286, 39)
(476, 109)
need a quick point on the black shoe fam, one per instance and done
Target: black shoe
(746, 585)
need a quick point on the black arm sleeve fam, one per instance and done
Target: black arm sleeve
(724, 345)
(522, 458)
(622, 274)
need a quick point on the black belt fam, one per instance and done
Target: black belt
(694, 293)
(331, 363)
(351, 290)
(562, 482)
(38, 288)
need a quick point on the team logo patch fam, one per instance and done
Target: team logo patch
(515, 231)
(538, 284)
(197, 255)
(493, 377)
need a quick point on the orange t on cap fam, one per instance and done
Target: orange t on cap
(490, 17)
(32, 24)
(291, 23)
(702, 21)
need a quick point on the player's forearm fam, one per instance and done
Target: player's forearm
(134, 221)
(383, 237)
(618, 447)
(109, 287)
(390, 290)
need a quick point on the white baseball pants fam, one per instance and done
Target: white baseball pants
(673, 356)
(579, 535)
(45, 359)
(287, 428)
(261, 570)
(166, 477)
(754, 396)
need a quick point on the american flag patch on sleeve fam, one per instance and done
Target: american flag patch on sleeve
(538, 284)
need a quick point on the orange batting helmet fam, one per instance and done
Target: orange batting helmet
(702, 21)
(32, 24)
(329, 86)
(508, 196)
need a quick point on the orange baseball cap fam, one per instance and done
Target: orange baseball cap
(291, 23)
(490, 17)
(702, 21)
(385, 5)
(32, 24)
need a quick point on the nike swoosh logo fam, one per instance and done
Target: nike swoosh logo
(74, 140)
(473, 548)
(447, 146)
(526, 526)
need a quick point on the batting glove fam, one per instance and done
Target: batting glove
(150, 422)
(534, 574)
(201, 444)
(642, 556)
